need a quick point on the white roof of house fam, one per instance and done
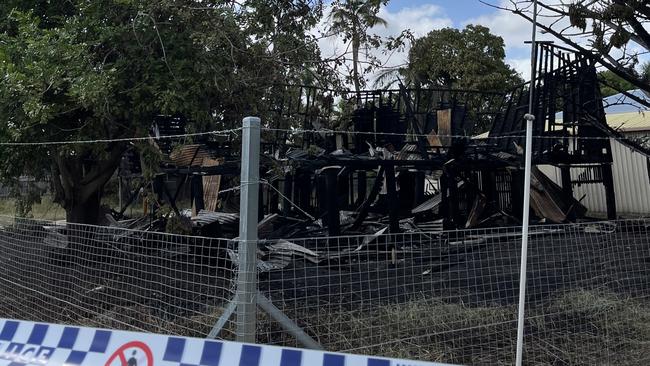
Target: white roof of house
(630, 121)
(627, 115)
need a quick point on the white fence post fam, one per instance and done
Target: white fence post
(248, 220)
(529, 117)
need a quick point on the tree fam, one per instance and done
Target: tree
(353, 19)
(612, 83)
(616, 31)
(103, 69)
(469, 59)
(645, 72)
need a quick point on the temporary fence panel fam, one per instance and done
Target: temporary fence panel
(113, 277)
(441, 296)
(452, 296)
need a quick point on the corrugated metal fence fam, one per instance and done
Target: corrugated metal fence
(631, 183)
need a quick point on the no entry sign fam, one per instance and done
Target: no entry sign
(27, 343)
(131, 354)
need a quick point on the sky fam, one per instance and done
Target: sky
(422, 16)
(459, 13)
(457, 10)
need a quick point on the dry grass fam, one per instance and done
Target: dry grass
(140, 318)
(48, 210)
(578, 328)
(45, 210)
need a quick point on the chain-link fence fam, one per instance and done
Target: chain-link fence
(446, 296)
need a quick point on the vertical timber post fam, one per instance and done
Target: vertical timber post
(119, 188)
(420, 182)
(248, 219)
(333, 216)
(567, 187)
(393, 199)
(610, 195)
(362, 187)
(274, 198)
(287, 190)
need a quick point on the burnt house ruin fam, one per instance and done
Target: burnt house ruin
(406, 159)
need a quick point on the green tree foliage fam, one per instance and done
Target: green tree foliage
(472, 58)
(103, 69)
(613, 84)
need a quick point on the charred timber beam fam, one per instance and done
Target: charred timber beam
(409, 183)
(419, 188)
(453, 199)
(444, 201)
(517, 193)
(332, 217)
(488, 186)
(350, 183)
(197, 192)
(567, 187)
(362, 187)
(393, 199)
(374, 164)
(303, 189)
(172, 200)
(286, 192)
(610, 195)
(365, 206)
(429, 164)
(274, 199)
(228, 168)
(343, 184)
(179, 188)
(423, 143)
(321, 194)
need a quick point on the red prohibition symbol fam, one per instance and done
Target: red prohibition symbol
(131, 359)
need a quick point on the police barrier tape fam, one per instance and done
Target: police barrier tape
(25, 343)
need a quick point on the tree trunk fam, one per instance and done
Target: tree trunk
(356, 45)
(87, 212)
(79, 188)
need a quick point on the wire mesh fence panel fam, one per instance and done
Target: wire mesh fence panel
(587, 295)
(452, 296)
(446, 296)
(113, 277)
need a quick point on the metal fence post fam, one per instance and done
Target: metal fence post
(247, 276)
(529, 117)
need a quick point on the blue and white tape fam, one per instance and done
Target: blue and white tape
(25, 343)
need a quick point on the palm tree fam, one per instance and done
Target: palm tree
(353, 18)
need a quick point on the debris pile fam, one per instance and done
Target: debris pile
(400, 161)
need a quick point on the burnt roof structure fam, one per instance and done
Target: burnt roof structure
(412, 157)
(471, 139)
